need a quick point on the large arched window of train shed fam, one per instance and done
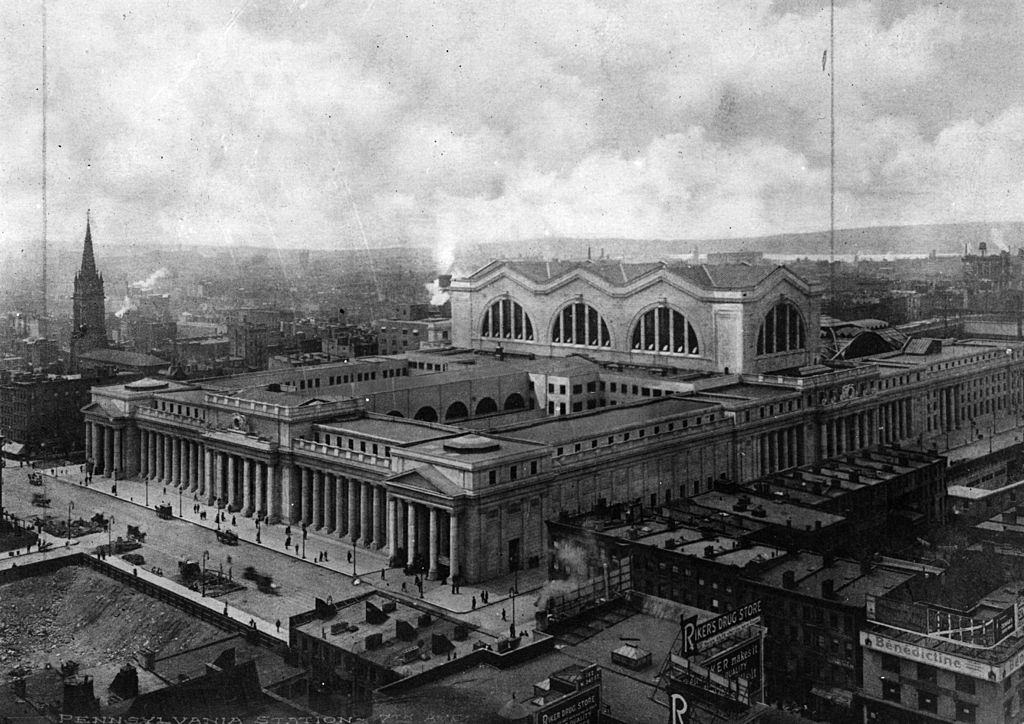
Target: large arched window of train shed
(782, 330)
(665, 330)
(506, 319)
(579, 323)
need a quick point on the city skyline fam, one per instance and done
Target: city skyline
(317, 126)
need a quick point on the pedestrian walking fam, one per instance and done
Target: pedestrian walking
(288, 541)
(403, 587)
(278, 623)
(473, 602)
(503, 615)
(232, 520)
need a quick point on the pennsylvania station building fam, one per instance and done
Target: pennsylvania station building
(567, 387)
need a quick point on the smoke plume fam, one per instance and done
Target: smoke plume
(149, 282)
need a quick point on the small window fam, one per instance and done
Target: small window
(492, 477)
(891, 690)
(513, 473)
(966, 711)
(927, 673)
(927, 701)
(966, 684)
(533, 467)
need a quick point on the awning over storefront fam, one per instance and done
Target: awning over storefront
(13, 449)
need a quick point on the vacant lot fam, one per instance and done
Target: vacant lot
(78, 614)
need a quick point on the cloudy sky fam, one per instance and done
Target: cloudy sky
(331, 124)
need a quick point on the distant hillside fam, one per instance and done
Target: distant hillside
(941, 238)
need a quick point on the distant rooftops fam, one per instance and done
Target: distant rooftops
(122, 358)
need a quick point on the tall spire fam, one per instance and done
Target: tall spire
(88, 261)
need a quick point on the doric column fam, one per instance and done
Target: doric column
(108, 451)
(294, 494)
(232, 483)
(151, 453)
(262, 487)
(317, 479)
(411, 537)
(187, 471)
(144, 460)
(278, 481)
(307, 495)
(218, 476)
(432, 572)
(175, 461)
(453, 545)
(206, 489)
(392, 505)
(97, 445)
(165, 470)
(118, 464)
(196, 472)
(378, 516)
(247, 486)
(366, 511)
(339, 506)
(352, 487)
(400, 526)
(329, 519)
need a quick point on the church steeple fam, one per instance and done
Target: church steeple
(88, 314)
(88, 260)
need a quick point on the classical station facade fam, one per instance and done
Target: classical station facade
(569, 386)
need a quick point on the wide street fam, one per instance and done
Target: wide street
(301, 581)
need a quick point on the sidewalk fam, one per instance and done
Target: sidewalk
(369, 566)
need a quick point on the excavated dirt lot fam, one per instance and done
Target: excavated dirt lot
(77, 614)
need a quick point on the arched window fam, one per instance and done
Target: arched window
(579, 323)
(782, 330)
(506, 319)
(456, 411)
(663, 329)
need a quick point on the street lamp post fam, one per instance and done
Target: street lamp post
(179, 502)
(353, 556)
(71, 506)
(206, 557)
(110, 526)
(147, 492)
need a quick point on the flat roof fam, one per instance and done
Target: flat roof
(387, 654)
(398, 430)
(751, 391)
(692, 542)
(850, 583)
(579, 426)
(776, 512)
(506, 447)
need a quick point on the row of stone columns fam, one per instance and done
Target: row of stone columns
(338, 504)
(426, 533)
(888, 423)
(781, 449)
(244, 484)
(171, 460)
(106, 447)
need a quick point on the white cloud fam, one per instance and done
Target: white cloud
(327, 124)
